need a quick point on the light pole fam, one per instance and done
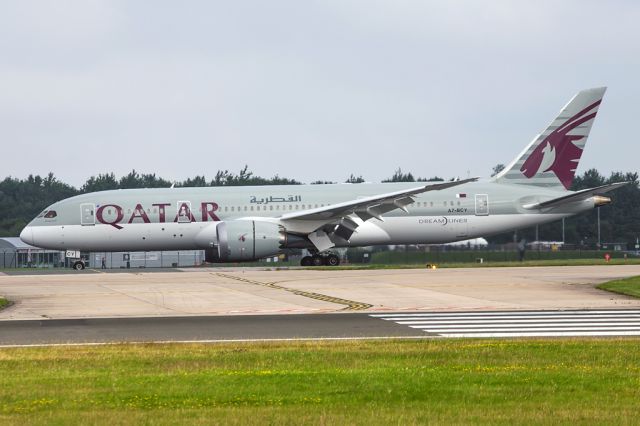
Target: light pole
(598, 228)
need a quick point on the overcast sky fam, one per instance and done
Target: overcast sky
(308, 90)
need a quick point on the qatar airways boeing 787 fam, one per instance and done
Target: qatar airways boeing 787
(234, 224)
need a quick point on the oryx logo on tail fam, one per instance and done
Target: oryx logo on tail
(558, 152)
(552, 157)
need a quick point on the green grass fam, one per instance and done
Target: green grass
(372, 382)
(4, 303)
(629, 286)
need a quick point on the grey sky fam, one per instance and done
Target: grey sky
(309, 90)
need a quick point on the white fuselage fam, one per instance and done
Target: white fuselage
(156, 219)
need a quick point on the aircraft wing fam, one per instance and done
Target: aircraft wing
(343, 226)
(575, 196)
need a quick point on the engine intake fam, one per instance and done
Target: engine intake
(241, 240)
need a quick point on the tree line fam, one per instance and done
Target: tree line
(22, 199)
(619, 221)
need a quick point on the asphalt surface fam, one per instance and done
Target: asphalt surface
(501, 324)
(250, 327)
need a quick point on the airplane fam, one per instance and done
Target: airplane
(238, 224)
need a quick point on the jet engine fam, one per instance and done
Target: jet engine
(241, 240)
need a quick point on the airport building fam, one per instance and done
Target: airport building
(14, 253)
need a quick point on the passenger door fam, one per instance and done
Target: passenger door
(482, 205)
(87, 214)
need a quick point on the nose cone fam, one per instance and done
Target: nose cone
(27, 235)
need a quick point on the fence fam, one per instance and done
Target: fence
(469, 256)
(14, 259)
(168, 259)
(149, 259)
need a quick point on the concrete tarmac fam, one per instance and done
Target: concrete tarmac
(233, 291)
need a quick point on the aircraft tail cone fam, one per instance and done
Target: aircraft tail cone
(600, 200)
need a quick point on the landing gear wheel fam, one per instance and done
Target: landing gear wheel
(306, 261)
(332, 260)
(317, 260)
(78, 266)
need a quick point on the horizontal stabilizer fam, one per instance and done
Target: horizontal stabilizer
(575, 196)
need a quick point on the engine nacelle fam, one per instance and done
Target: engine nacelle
(241, 240)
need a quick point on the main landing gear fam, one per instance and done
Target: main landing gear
(320, 260)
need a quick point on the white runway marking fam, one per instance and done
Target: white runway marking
(522, 324)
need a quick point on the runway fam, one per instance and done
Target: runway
(200, 329)
(496, 324)
(235, 304)
(522, 323)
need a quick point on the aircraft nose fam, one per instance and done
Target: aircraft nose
(27, 235)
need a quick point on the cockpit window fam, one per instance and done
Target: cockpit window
(50, 214)
(42, 214)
